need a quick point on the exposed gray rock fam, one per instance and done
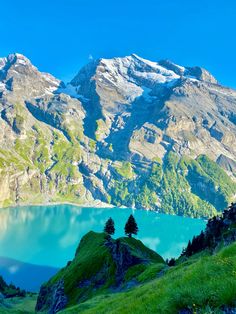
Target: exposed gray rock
(186, 311)
(52, 299)
(228, 310)
(227, 163)
(123, 259)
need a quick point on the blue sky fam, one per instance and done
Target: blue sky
(60, 35)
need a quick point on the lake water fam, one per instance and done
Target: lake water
(49, 235)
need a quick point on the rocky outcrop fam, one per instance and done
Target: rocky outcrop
(52, 299)
(227, 163)
(122, 258)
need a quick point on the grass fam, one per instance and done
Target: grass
(134, 271)
(204, 285)
(140, 250)
(93, 270)
(125, 169)
(19, 305)
(142, 272)
(100, 130)
(151, 272)
(91, 257)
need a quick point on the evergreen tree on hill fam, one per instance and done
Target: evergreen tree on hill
(131, 226)
(109, 227)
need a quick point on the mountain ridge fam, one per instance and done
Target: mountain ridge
(124, 131)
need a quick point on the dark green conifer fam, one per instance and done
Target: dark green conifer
(109, 227)
(131, 226)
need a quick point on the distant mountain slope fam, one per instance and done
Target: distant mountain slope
(125, 131)
(26, 276)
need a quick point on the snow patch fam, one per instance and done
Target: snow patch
(51, 79)
(2, 63)
(2, 86)
(128, 75)
(146, 94)
(72, 91)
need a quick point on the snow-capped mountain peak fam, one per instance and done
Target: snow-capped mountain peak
(14, 59)
(130, 73)
(18, 74)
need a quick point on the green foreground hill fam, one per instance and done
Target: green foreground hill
(205, 283)
(101, 265)
(123, 276)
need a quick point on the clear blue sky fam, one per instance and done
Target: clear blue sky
(59, 35)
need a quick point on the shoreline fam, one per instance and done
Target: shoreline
(97, 204)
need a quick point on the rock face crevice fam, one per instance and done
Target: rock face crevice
(52, 299)
(122, 258)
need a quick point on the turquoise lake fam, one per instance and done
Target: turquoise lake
(49, 235)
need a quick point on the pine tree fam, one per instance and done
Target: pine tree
(131, 226)
(109, 227)
(171, 262)
(188, 250)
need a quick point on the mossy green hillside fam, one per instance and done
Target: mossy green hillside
(19, 305)
(204, 285)
(94, 269)
(125, 169)
(44, 163)
(183, 186)
(48, 155)
(91, 257)
(137, 248)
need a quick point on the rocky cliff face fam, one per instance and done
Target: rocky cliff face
(125, 131)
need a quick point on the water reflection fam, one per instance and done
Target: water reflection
(49, 235)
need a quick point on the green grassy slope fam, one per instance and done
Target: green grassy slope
(19, 305)
(203, 283)
(183, 186)
(89, 260)
(94, 269)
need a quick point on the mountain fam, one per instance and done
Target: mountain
(124, 131)
(24, 275)
(201, 282)
(100, 265)
(14, 300)
(9, 290)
